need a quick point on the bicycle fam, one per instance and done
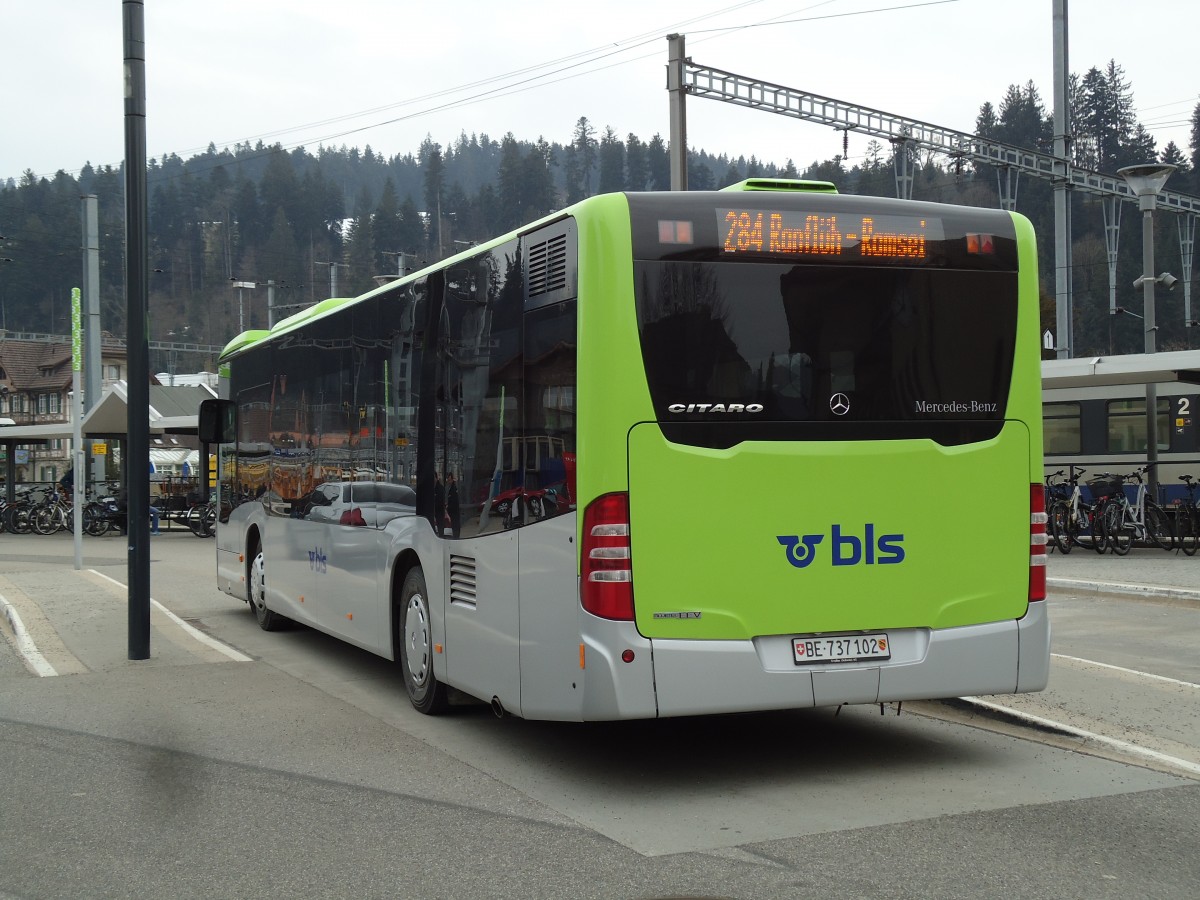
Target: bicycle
(1072, 521)
(1108, 490)
(202, 519)
(51, 514)
(100, 514)
(1142, 520)
(17, 513)
(1187, 518)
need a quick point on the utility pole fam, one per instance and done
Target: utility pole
(677, 88)
(93, 384)
(136, 475)
(243, 285)
(1062, 187)
(333, 281)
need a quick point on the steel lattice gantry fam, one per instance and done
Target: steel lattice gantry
(686, 77)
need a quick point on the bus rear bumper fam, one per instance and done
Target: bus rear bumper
(700, 677)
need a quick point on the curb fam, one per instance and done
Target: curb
(1127, 588)
(23, 644)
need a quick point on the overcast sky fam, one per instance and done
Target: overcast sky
(389, 72)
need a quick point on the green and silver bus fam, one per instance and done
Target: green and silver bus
(661, 454)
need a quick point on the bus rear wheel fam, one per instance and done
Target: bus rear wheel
(415, 637)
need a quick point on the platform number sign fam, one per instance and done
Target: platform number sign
(1181, 419)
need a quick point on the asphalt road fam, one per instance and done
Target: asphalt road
(292, 765)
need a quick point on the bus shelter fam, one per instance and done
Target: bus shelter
(173, 410)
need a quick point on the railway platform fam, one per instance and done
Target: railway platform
(1146, 571)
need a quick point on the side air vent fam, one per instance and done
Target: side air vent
(551, 267)
(548, 266)
(462, 580)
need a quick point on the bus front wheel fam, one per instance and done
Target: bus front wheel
(267, 620)
(427, 694)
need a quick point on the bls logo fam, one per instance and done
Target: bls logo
(847, 549)
(317, 560)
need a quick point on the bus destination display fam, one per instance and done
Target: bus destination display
(800, 233)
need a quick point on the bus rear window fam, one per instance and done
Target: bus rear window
(736, 351)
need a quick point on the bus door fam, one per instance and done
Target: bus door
(475, 412)
(355, 558)
(481, 617)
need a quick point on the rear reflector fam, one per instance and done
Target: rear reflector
(607, 566)
(1037, 542)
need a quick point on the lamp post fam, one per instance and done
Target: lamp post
(1146, 181)
(3, 305)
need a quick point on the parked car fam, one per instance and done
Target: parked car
(361, 503)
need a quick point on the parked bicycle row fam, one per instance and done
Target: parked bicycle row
(48, 510)
(1115, 512)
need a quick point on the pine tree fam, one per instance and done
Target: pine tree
(434, 168)
(637, 164)
(1104, 121)
(360, 249)
(386, 229)
(509, 179)
(658, 161)
(537, 182)
(1195, 148)
(579, 161)
(612, 162)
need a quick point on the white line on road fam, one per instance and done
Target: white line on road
(1150, 675)
(25, 645)
(188, 628)
(1124, 746)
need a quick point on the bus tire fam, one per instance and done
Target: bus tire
(257, 584)
(415, 637)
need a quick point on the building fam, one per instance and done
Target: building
(35, 389)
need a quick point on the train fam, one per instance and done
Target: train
(1094, 416)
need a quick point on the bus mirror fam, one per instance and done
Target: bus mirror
(217, 424)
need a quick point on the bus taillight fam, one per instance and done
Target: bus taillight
(607, 583)
(1037, 542)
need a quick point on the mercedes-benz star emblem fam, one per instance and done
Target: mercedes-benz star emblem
(839, 404)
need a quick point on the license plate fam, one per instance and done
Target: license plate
(840, 648)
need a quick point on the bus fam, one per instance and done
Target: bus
(661, 454)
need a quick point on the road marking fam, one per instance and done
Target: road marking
(24, 643)
(1123, 746)
(188, 628)
(1150, 675)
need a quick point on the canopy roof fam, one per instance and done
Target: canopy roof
(1132, 368)
(173, 410)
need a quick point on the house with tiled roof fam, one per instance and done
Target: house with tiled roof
(35, 389)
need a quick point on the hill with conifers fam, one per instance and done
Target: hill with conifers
(301, 218)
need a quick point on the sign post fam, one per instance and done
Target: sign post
(79, 481)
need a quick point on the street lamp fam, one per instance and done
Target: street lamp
(1146, 181)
